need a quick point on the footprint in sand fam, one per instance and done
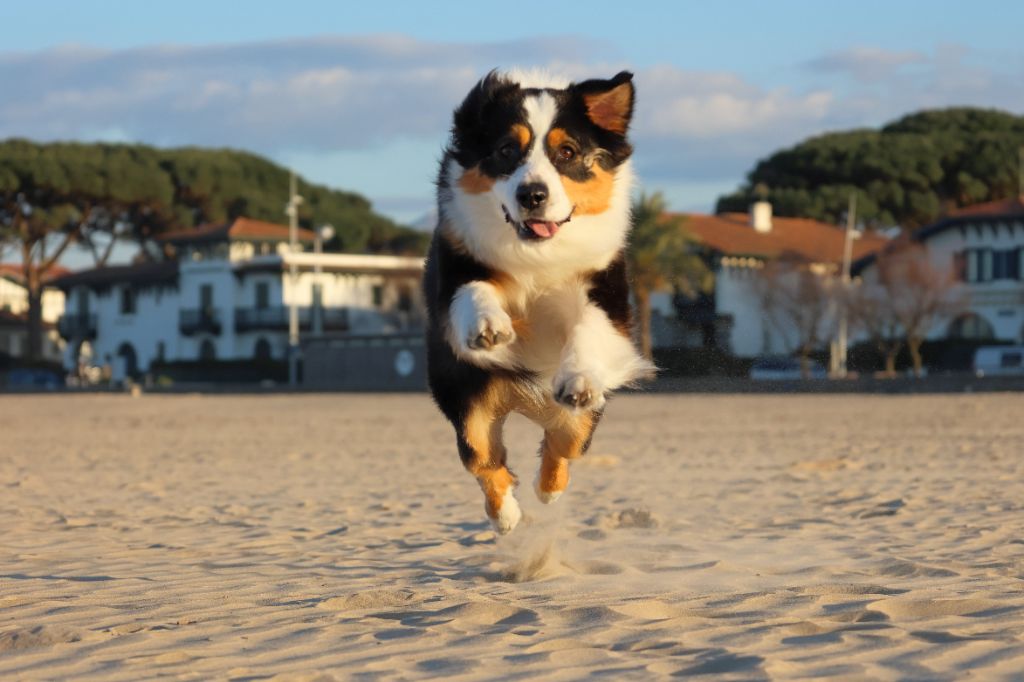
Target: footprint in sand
(476, 614)
(628, 518)
(890, 508)
(38, 636)
(372, 599)
(594, 567)
(919, 609)
(649, 609)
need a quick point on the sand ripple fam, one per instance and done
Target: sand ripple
(322, 538)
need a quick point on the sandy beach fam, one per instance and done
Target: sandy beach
(319, 537)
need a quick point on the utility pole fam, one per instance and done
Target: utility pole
(292, 210)
(1020, 173)
(848, 237)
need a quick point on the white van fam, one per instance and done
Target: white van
(998, 360)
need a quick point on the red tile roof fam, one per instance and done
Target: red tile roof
(239, 228)
(13, 271)
(732, 234)
(1002, 207)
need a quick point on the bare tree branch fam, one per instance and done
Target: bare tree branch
(797, 299)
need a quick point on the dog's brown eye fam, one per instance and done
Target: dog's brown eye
(566, 153)
(508, 151)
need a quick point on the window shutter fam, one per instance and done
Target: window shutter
(960, 266)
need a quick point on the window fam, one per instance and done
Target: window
(161, 351)
(1011, 359)
(1006, 264)
(127, 301)
(978, 265)
(206, 298)
(262, 295)
(405, 299)
(378, 295)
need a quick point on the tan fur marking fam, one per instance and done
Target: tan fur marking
(564, 438)
(495, 484)
(504, 284)
(473, 181)
(521, 133)
(557, 137)
(521, 326)
(610, 109)
(482, 431)
(592, 196)
(554, 474)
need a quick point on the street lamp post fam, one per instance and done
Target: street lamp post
(848, 237)
(292, 211)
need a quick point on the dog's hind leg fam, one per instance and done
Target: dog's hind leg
(566, 436)
(484, 455)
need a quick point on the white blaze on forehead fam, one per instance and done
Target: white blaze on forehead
(541, 110)
(540, 114)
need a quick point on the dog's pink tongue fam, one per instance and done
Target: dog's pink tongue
(542, 228)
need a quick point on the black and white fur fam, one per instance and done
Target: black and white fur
(525, 283)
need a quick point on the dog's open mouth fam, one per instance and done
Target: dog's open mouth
(536, 229)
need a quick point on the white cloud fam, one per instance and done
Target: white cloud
(345, 98)
(866, 63)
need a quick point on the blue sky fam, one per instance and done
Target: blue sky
(358, 95)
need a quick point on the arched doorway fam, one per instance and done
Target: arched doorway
(262, 350)
(129, 359)
(207, 351)
(971, 326)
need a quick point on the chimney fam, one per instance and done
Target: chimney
(761, 216)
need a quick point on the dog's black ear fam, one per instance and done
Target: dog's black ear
(609, 103)
(473, 109)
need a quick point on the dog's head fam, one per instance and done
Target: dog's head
(537, 171)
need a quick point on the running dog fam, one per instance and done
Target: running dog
(525, 284)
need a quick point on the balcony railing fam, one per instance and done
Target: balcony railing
(77, 326)
(202, 320)
(276, 318)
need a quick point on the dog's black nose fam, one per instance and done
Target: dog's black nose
(532, 195)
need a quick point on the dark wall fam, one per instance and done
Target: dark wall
(365, 363)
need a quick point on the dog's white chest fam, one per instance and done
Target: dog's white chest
(544, 322)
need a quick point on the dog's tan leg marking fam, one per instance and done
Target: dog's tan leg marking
(487, 462)
(565, 437)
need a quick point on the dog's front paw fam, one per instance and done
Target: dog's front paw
(579, 391)
(491, 329)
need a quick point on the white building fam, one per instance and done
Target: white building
(14, 313)
(223, 293)
(982, 247)
(737, 247)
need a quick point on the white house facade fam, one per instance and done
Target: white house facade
(982, 248)
(738, 247)
(224, 293)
